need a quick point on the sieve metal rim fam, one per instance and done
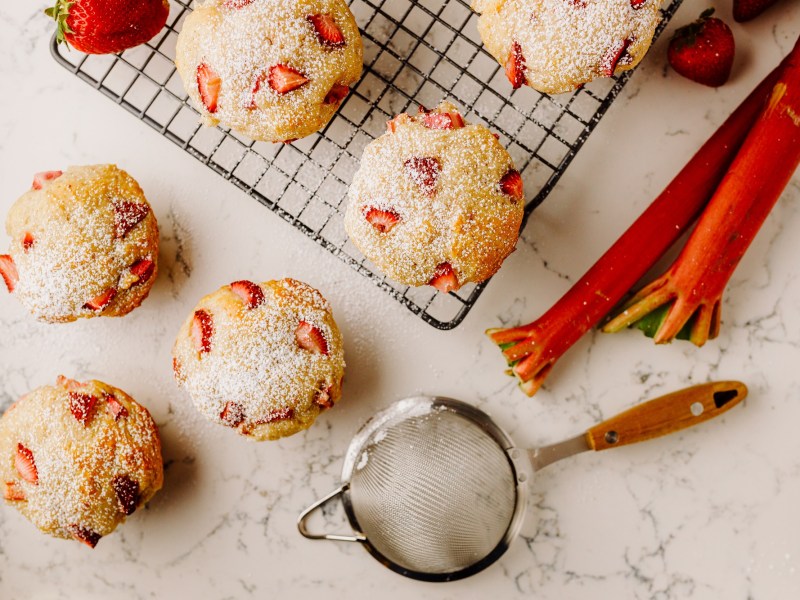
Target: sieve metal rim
(403, 409)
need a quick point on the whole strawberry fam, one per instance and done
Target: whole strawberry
(703, 51)
(744, 10)
(107, 26)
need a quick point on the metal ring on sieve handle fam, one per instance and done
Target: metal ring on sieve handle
(301, 521)
(382, 420)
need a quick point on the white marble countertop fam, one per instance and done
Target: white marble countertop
(707, 513)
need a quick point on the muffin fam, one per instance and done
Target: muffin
(274, 70)
(556, 46)
(264, 359)
(77, 458)
(436, 200)
(84, 243)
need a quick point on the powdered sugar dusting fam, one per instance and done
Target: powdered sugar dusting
(256, 361)
(241, 45)
(566, 43)
(77, 462)
(444, 186)
(77, 254)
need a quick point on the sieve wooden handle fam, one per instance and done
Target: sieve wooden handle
(667, 414)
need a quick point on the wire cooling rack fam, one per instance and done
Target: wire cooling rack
(415, 52)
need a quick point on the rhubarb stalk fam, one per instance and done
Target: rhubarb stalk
(689, 294)
(533, 349)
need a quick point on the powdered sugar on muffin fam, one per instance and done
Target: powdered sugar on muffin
(275, 70)
(78, 458)
(264, 359)
(84, 243)
(436, 201)
(556, 45)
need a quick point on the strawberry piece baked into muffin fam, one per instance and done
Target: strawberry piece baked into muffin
(436, 201)
(77, 458)
(264, 359)
(84, 243)
(555, 46)
(274, 70)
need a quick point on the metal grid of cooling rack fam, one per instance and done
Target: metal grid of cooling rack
(415, 52)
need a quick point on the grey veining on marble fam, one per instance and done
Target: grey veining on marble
(708, 513)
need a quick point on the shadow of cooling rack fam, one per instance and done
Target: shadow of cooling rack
(417, 52)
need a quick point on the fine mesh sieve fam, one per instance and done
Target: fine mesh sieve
(436, 491)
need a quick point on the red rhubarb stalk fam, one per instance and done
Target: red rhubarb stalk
(694, 284)
(533, 349)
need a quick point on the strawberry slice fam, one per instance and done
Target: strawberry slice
(40, 179)
(311, 338)
(511, 184)
(236, 4)
(392, 124)
(26, 466)
(610, 60)
(259, 82)
(128, 215)
(637, 4)
(84, 535)
(328, 33)
(250, 293)
(233, 414)
(177, 369)
(322, 397)
(127, 490)
(208, 85)
(13, 491)
(69, 384)
(337, 94)
(115, 407)
(444, 278)
(437, 120)
(28, 241)
(81, 405)
(382, 220)
(98, 303)
(515, 66)
(424, 171)
(8, 271)
(143, 269)
(284, 79)
(202, 330)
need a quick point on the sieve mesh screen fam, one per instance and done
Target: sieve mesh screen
(434, 493)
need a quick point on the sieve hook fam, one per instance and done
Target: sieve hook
(301, 520)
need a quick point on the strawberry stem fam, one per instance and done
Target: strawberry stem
(533, 349)
(689, 294)
(59, 13)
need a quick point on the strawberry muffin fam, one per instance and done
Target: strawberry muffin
(77, 458)
(84, 243)
(436, 201)
(264, 359)
(555, 46)
(274, 70)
